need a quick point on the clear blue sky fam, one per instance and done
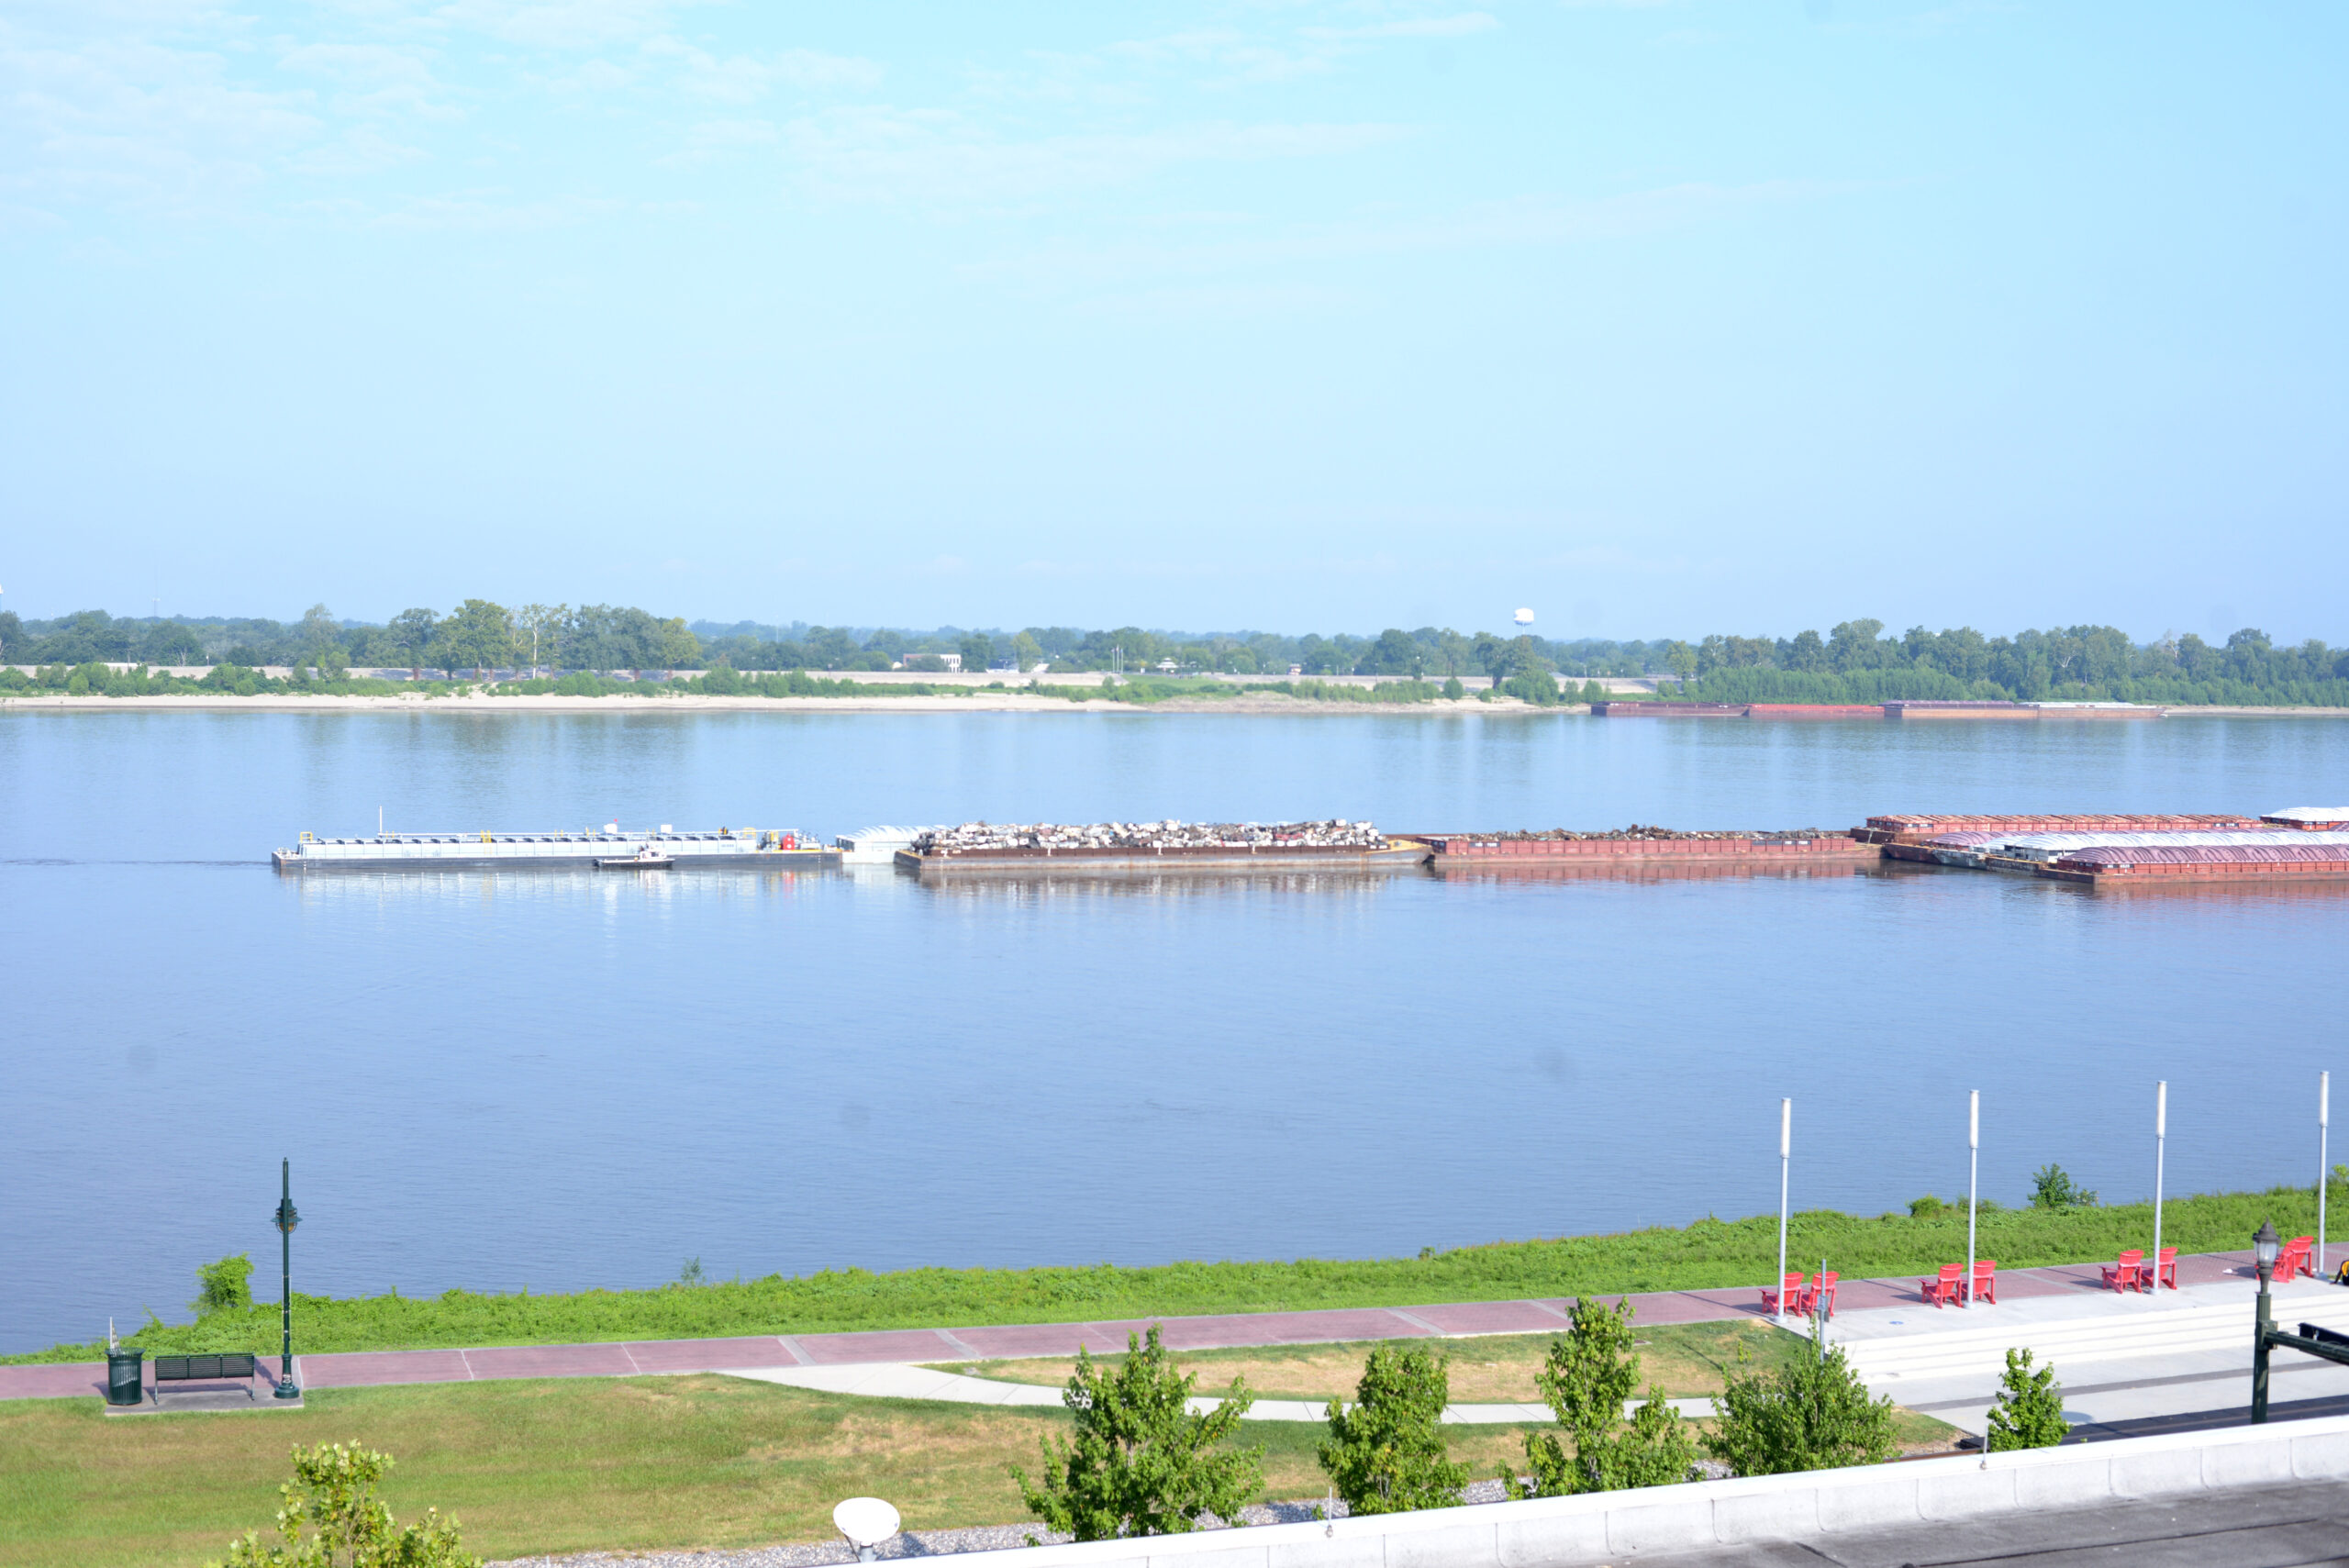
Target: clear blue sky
(1658, 318)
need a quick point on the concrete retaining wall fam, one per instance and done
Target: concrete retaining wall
(1592, 1528)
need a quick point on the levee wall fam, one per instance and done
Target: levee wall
(1565, 1531)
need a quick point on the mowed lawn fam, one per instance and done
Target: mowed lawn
(555, 1466)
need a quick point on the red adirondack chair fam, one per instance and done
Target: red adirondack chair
(1986, 1282)
(2124, 1274)
(1941, 1291)
(1789, 1291)
(2303, 1249)
(2162, 1270)
(1819, 1296)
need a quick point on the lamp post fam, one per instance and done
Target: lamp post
(2324, 1174)
(1786, 1150)
(286, 1220)
(1973, 1181)
(2161, 1147)
(2262, 1252)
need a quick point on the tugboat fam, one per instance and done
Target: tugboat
(646, 859)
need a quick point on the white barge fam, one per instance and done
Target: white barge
(745, 847)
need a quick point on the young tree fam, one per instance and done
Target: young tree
(1589, 1378)
(1388, 1454)
(1026, 652)
(1815, 1414)
(333, 1491)
(2029, 1410)
(1140, 1462)
(224, 1287)
(978, 653)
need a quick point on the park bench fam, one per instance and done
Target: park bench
(1984, 1284)
(2127, 1271)
(204, 1369)
(1944, 1288)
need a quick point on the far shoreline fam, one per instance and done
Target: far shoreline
(977, 701)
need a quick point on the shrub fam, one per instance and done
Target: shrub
(2029, 1410)
(333, 1490)
(1926, 1208)
(1586, 1381)
(1815, 1414)
(1388, 1454)
(224, 1287)
(2052, 1188)
(1140, 1462)
(1452, 689)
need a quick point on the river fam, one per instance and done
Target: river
(556, 1079)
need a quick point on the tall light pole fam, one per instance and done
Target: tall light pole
(2161, 1143)
(1786, 1150)
(1973, 1181)
(286, 1220)
(2323, 1171)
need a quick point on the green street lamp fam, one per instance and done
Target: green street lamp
(286, 1220)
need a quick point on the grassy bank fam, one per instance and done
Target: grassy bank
(1710, 1253)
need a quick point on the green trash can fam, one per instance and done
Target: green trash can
(126, 1377)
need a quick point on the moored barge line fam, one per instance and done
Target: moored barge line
(1401, 854)
(736, 848)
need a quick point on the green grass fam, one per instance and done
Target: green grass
(555, 1466)
(1710, 1253)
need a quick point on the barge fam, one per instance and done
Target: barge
(764, 849)
(1157, 848)
(1564, 850)
(1906, 828)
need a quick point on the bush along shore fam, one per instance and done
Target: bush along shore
(1708, 1254)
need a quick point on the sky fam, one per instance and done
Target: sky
(1656, 319)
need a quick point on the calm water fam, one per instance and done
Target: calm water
(557, 1081)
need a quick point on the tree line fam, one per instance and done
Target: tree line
(1852, 662)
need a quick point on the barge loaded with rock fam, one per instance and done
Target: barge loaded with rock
(764, 849)
(1563, 849)
(1157, 848)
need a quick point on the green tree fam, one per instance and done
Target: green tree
(477, 636)
(978, 652)
(2052, 1187)
(2029, 1410)
(413, 632)
(1393, 654)
(1587, 1380)
(1814, 1414)
(224, 1287)
(1453, 688)
(333, 1493)
(1680, 659)
(1026, 652)
(1140, 1462)
(1388, 1454)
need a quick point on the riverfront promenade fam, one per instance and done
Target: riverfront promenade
(634, 1358)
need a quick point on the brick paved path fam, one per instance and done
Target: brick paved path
(353, 1369)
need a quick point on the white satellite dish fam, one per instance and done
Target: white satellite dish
(1525, 618)
(867, 1522)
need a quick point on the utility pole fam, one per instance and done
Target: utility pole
(2161, 1142)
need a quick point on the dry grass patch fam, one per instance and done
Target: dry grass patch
(1689, 1359)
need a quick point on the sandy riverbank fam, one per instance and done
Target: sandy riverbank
(976, 701)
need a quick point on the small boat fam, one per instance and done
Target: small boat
(646, 859)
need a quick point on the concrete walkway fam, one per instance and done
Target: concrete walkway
(892, 1381)
(912, 1347)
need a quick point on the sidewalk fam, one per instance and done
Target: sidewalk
(355, 1369)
